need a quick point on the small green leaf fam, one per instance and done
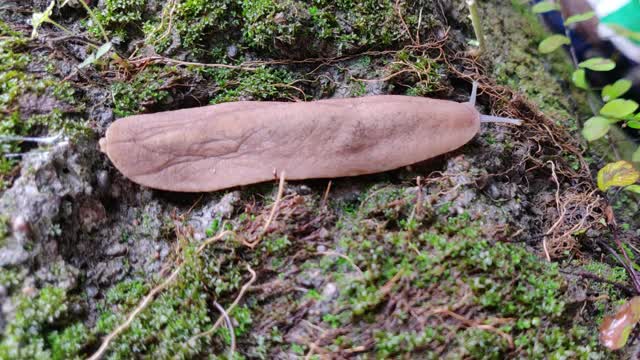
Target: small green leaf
(579, 78)
(552, 43)
(598, 64)
(579, 17)
(37, 19)
(634, 124)
(615, 90)
(102, 50)
(91, 59)
(544, 6)
(595, 128)
(633, 188)
(620, 173)
(619, 108)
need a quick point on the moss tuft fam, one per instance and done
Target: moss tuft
(31, 103)
(25, 336)
(262, 84)
(119, 17)
(143, 91)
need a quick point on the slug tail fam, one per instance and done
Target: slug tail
(498, 119)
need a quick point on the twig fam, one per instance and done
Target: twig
(325, 197)
(274, 209)
(166, 60)
(471, 323)
(560, 213)
(213, 239)
(229, 309)
(477, 24)
(419, 197)
(144, 303)
(232, 333)
(418, 27)
(628, 264)
(334, 253)
(404, 24)
(619, 286)
(194, 205)
(95, 19)
(388, 286)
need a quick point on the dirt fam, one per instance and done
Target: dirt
(446, 258)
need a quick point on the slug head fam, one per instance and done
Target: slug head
(490, 118)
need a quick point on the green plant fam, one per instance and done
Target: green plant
(477, 24)
(25, 336)
(37, 19)
(614, 332)
(614, 109)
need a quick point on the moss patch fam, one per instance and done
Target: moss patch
(30, 334)
(144, 90)
(32, 102)
(287, 28)
(120, 17)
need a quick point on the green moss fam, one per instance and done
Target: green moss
(267, 21)
(179, 313)
(442, 265)
(518, 67)
(389, 344)
(342, 25)
(26, 335)
(204, 27)
(165, 327)
(119, 17)
(602, 306)
(4, 229)
(145, 89)
(11, 278)
(69, 343)
(289, 27)
(262, 84)
(18, 88)
(148, 88)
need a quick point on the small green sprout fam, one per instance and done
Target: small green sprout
(37, 19)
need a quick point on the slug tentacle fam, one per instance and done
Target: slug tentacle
(490, 118)
(474, 93)
(498, 119)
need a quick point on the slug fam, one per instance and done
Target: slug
(239, 143)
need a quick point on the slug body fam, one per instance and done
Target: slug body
(221, 146)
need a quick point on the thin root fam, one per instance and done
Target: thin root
(229, 309)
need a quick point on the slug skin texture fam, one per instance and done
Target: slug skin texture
(226, 145)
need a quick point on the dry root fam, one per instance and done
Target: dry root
(575, 213)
